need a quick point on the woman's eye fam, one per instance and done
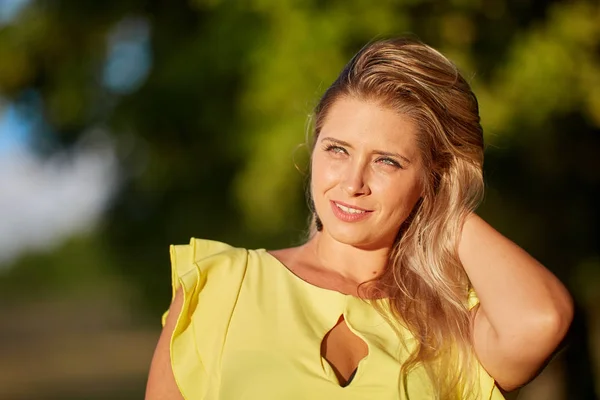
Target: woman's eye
(335, 149)
(391, 162)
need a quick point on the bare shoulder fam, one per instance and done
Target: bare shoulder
(296, 259)
(288, 255)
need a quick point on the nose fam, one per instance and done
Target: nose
(355, 182)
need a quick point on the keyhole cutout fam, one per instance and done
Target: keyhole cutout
(343, 350)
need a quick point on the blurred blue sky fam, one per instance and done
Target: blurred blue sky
(44, 201)
(129, 57)
(9, 9)
(15, 130)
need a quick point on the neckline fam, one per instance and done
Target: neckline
(304, 282)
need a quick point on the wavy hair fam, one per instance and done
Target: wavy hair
(425, 281)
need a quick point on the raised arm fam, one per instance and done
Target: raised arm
(161, 382)
(524, 310)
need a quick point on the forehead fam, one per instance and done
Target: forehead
(368, 123)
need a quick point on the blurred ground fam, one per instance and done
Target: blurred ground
(81, 347)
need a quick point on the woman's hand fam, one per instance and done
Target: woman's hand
(524, 310)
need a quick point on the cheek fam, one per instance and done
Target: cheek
(323, 175)
(400, 196)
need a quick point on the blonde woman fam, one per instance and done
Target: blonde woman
(401, 291)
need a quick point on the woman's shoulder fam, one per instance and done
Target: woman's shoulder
(206, 269)
(193, 263)
(208, 276)
(203, 254)
(199, 249)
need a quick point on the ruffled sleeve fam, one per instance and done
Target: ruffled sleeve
(210, 275)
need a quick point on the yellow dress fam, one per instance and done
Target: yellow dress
(250, 329)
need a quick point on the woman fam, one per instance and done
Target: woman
(380, 302)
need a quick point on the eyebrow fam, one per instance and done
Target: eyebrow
(379, 152)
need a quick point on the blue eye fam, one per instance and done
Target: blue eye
(332, 148)
(389, 161)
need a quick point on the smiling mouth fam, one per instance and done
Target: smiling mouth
(348, 213)
(350, 210)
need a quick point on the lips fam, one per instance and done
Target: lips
(348, 213)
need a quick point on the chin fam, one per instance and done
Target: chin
(353, 236)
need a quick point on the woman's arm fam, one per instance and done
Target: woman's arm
(524, 310)
(161, 382)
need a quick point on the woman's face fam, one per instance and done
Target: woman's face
(366, 172)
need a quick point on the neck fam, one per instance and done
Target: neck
(352, 263)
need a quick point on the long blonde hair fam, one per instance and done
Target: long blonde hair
(425, 280)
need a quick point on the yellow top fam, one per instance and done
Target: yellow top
(251, 329)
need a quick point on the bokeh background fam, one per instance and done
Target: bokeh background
(128, 125)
